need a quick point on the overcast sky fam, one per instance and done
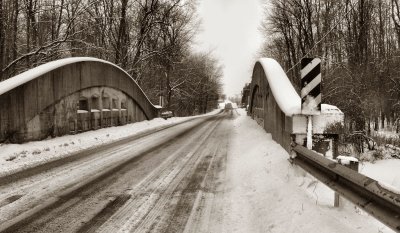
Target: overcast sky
(230, 28)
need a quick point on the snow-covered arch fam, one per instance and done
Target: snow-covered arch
(285, 94)
(43, 101)
(277, 106)
(275, 102)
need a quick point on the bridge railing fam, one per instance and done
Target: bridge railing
(373, 197)
(276, 106)
(69, 96)
(273, 100)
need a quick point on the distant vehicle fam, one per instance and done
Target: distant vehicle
(228, 106)
(167, 114)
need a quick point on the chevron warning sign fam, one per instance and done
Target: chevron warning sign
(311, 86)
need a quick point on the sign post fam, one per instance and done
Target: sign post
(311, 98)
(310, 92)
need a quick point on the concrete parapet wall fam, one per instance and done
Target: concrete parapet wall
(276, 106)
(54, 103)
(265, 110)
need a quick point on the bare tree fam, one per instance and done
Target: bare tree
(148, 38)
(358, 42)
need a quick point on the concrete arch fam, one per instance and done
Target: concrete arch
(41, 93)
(276, 106)
(253, 92)
(273, 101)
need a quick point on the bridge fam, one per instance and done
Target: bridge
(69, 96)
(74, 95)
(276, 106)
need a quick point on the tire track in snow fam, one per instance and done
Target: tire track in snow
(152, 196)
(28, 203)
(207, 211)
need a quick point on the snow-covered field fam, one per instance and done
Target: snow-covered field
(15, 157)
(267, 194)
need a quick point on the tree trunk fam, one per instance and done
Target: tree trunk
(15, 30)
(2, 35)
(122, 42)
(168, 85)
(206, 104)
(369, 126)
(32, 21)
(360, 124)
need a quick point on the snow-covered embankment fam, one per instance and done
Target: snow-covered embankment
(16, 157)
(265, 193)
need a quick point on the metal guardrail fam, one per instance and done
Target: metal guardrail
(367, 193)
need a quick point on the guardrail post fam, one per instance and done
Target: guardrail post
(336, 201)
(349, 162)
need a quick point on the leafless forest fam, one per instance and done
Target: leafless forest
(358, 42)
(150, 39)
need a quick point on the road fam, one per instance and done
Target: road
(163, 182)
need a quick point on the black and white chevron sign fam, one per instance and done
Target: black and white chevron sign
(311, 86)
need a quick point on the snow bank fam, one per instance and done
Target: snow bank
(15, 157)
(284, 93)
(389, 187)
(385, 171)
(265, 193)
(36, 72)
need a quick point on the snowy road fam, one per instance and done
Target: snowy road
(218, 173)
(150, 183)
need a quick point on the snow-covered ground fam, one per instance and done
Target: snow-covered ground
(263, 192)
(15, 157)
(386, 171)
(379, 164)
(385, 133)
(267, 194)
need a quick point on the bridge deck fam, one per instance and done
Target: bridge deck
(239, 181)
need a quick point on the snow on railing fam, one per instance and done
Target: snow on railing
(284, 93)
(36, 72)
